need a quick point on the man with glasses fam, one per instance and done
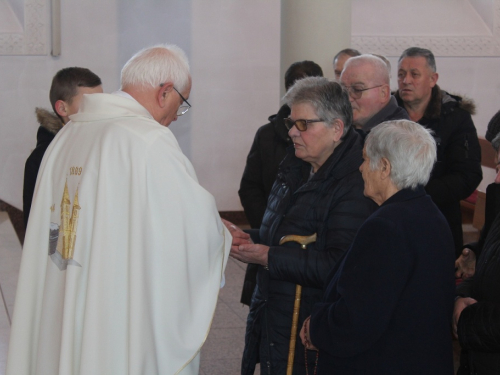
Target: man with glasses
(458, 169)
(123, 261)
(366, 78)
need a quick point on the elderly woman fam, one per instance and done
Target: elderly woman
(387, 306)
(318, 191)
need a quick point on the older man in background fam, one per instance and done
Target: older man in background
(340, 58)
(458, 169)
(120, 274)
(366, 78)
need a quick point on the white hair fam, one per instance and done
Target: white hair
(156, 65)
(409, 147)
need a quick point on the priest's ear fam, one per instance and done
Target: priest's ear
(165, 89)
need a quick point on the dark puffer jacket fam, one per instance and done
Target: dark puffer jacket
(332, 205)
(50, 124)
(457, 171)
(479, 324)
(267, 152)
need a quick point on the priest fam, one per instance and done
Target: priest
(124, 252)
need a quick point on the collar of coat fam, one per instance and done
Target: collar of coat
(48, 120)
(442, 103)
(278, 121)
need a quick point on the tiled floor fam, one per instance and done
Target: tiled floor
(10, 258)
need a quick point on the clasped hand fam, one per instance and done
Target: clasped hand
(243, 248)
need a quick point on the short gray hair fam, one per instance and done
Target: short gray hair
(409, 147)
(157, 65)
(420, 52)
(382, 73)
(329, 100)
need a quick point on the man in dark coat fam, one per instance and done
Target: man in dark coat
(67, 90)
(477, 307)
(367, 80)
(457, 172)
(267, 152)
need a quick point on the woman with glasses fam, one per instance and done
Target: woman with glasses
(317, 203)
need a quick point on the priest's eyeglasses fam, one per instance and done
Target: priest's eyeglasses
(184, 107)
(300, 124)
(356, 92)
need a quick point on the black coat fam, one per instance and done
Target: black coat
(388, 306)
(50, 124)
(457, 171)
(479, 324)
(267, 152)
(332, 205)
(389, 113)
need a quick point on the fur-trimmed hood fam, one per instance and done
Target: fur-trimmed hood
(48, 120)
(443, 101)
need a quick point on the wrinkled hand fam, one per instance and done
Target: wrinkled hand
(251, 253)
(465, 265)
(305, 336)
(460, 304)
(239, 237)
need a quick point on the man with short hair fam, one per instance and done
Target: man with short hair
(340, 58)
(457, 171)
(122, 271)
(66, 92)
(366, 78)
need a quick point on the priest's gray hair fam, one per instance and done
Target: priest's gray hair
(329, 100)
(157, 65)
(409, 147)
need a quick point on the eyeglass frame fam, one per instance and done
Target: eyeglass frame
(358, 93)
(186, 108)
(301, 128)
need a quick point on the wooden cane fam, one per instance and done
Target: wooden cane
(303, 241)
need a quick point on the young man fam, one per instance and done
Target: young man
(66, 92)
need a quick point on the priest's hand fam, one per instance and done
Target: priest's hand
(239, 237)
(251, 253)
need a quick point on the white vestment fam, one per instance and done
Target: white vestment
(124, 252)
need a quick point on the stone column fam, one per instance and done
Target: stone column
(314, 30)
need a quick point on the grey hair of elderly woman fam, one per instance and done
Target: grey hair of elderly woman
(329, 100)
(409, 147)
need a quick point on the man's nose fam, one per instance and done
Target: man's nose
(497, 178)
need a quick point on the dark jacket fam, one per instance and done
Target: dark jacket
(332, 205)
(50, 124)
(492, 208)
(267, 151)
(392, 111)
(479, 324)
(387, 307)
(457, 171)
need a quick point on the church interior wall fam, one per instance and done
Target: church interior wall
(234, 51)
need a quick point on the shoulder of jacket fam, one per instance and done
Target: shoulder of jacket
(453, 101)
(48, 120)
